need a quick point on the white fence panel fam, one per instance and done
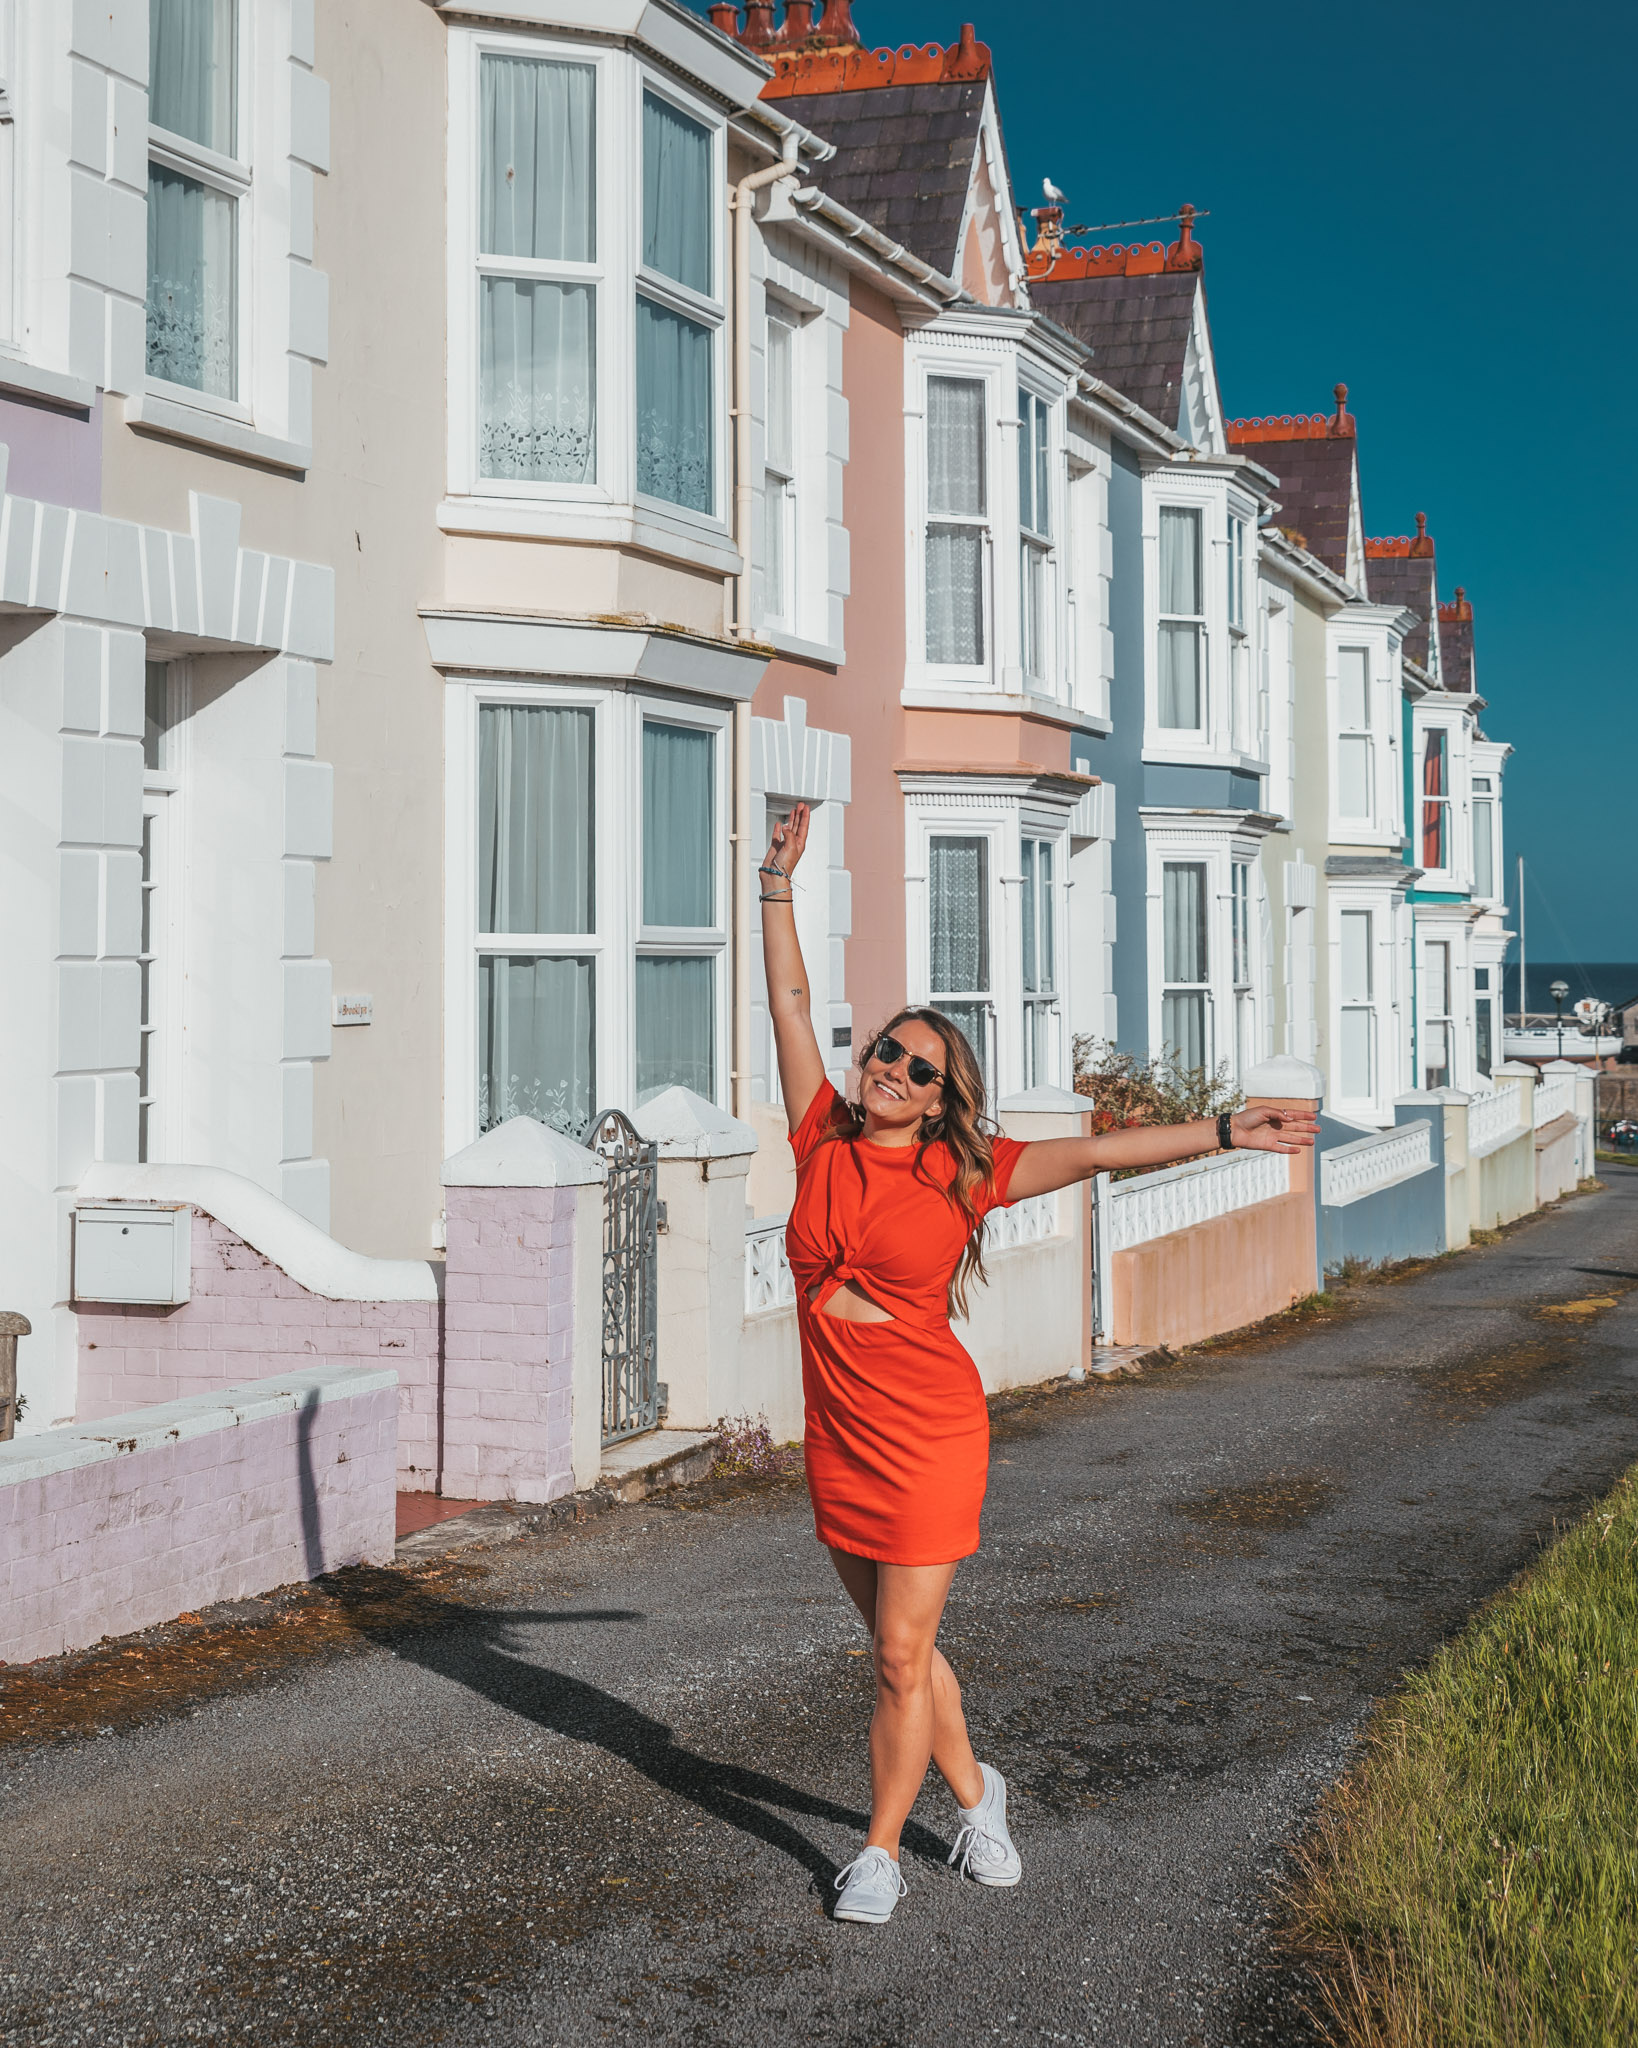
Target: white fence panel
(1349, 1173)
(769, 1283)
(1028, 1222)
(1555, 1096)
(1180, 1197)
(1492, 1119)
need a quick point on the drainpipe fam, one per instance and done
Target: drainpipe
(743, 202)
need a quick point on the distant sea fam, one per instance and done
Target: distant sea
(1612, 981)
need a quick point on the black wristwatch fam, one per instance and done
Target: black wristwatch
(1225, 1131)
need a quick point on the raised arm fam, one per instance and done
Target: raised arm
(801, 1064)
(1058, 1162)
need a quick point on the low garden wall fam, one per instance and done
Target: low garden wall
(114, 1526)
(1381, 1194)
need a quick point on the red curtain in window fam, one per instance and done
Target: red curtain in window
(1435, 808)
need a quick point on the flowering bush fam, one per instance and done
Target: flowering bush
(746, 1446)
(1129, 1090)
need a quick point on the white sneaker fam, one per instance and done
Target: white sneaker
(984, 1849)
(870, 1887)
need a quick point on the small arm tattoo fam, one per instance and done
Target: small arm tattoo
(798, 991)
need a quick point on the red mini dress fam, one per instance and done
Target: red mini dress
(898, 1437)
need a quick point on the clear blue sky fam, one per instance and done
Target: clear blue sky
(1433, 204)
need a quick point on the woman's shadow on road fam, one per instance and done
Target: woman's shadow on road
(477, 1647)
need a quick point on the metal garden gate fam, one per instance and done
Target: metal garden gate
(631, 1215)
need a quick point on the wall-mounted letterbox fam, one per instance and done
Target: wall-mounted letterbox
(123, 1252)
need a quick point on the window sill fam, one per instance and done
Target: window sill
(803, 650)
(1022, 704)
(166, 420)
(701, 544)
(50, 387)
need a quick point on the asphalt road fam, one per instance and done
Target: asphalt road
(597, 1790)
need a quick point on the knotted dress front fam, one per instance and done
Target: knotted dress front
(898, 1436)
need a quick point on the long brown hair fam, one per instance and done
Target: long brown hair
(962, 1126)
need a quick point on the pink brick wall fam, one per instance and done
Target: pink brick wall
(103, 1531)
(508, 1343)
(248, 1319)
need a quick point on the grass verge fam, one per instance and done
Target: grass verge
(1474, 1880)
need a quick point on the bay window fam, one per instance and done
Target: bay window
(1182, 669)
(1242, 709)
(681, 944)
(1484, 837)
(1437, 1022)
(1357, 1047)
(957, 521)
(198, 184)
(1354, 743)
(679, 312)
(1436, 800)
(779, 475)
(537, 271)
(537, 910)
(1185, 1039)
(1035, 542)
(1040, 962)
(959, 938)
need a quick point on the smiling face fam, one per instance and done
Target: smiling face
(889, 1098)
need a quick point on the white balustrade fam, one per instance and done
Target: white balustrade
(1026, 1222)
(1492, 1119)
(769, 1284)
(1180, 1197)
(1555, 1096)
(1348, 1173)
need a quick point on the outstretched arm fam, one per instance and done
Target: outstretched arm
(1059, 1162)
(801, 1064)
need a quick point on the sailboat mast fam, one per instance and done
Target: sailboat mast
(1524, 979)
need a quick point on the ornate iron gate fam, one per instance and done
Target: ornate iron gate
(631, 1215)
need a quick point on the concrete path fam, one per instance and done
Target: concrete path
(599, 1792)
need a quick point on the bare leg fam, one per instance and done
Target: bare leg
(918, 1702)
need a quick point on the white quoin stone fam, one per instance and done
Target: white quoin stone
(522, 1153)
(685, 1126)
(1285, 1079)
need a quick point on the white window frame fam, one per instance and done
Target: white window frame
(1486, 797)
(232, 176)
(1354, 734)
(1039, 550)
(706, 309)
(981, 674)
(11, 225)
(782, 482)
(1042, 1045)
(594, 510)
(1086, 663)
(1444, 1018)
(1451, 864)
(1243, 936)
(1201, 730)
(1370, 1004)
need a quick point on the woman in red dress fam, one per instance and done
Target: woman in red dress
(885, 1237)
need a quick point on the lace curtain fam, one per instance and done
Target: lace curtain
(677, 208)
(537, 338)
(955, 554)
(535, 819)
(957, 887)
(192, 70)
(192, 283)
(674, 427)
(676, 1026)
(1179, 679)
(1183, 909)
(679, 825)
(536, 1021)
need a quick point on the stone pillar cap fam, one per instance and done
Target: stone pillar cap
(685, 1126)
(1286, 1079)
(1566, 1067)
(522, 1153)
(1514, 1068)
(1046, 1102)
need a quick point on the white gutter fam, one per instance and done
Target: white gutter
(744, 199)
(880, 246)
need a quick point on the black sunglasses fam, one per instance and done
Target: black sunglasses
(888, 1050)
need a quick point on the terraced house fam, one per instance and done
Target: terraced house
(411, 637)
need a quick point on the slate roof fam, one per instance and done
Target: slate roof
(1138, 328)
(1316, 490)
(904, 158)
(1456, 645)
(1408, 580)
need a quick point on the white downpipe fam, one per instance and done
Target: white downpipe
(740, 627)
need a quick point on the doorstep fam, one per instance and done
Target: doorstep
(1109, 1359)
(640, 1465)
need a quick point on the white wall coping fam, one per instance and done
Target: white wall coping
(171, 1422)
(1046, 1102)
(1566, 1067)
(310, 1256)
(522, 1153)
(685, 1126)
(1284, 1079)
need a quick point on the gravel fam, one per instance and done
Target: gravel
(600, 1795)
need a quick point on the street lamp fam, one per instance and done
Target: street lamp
(1558, 991)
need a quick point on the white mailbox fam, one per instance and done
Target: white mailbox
(123, 1252)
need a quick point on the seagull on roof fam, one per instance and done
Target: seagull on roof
(1053, 196)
